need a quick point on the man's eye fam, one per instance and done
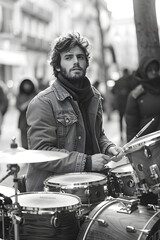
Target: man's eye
(68, 57)
(81, 57)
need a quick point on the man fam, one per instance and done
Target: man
(67, 117)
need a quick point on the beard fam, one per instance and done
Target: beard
(73, 77)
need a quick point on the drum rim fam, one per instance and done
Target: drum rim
(50, 210)
(123, 173)
(132, 146)
(76, 184)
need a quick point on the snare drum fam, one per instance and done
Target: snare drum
(144, 155)
(48, 216)
(90, 187)
(125, 176)
(113, 219)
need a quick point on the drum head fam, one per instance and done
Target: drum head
(140, 142)
(48, 200)
(76, 179)
(123, 169)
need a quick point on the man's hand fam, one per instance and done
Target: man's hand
(99, 161)
(117, 153)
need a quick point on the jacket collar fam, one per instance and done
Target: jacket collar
(62, 93)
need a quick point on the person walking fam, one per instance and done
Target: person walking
(4, 103)
(121, 91)
(27, 90)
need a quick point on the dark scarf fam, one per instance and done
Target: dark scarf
(153, 86)
(82, 95)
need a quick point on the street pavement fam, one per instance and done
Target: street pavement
(10, 130)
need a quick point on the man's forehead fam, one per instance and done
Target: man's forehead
(74, 50)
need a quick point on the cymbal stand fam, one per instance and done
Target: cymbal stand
(14, 168)
(3, 223)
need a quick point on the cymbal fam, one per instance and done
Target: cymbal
(21, 155)
(7, 191)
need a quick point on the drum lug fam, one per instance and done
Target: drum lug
(55, 221)
(132, 229)
(155, 173)
(105, 189)
(78, 214)
(87, 193)
(100, 221)
(147, 152)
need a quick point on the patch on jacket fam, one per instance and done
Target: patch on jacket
(137, 91)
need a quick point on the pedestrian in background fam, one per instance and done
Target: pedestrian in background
(67, 117)
(121, 91)
(143, 105)
(4, 102)
(144, 101)
(27, 90)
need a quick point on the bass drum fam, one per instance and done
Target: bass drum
(110, 220)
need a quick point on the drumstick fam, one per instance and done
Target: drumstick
(137, 135)
(140, 132)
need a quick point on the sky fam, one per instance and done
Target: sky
(120, 8)
(124, 8)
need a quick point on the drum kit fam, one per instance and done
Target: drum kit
(87, 205)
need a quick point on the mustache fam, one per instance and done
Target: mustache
(76, 68)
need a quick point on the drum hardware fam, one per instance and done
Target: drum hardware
(132, 229)
(49, 216)
(90, 187)
(126, 179)
(3, 212)
(143, 154)
(4, 201)
(13, 170)
(121, 225)
(56, 222)
(147, 152)
(128, 206)
(156, 188)
(100, 221)
(12, 157)
(144, 188)
(153, 207)
(155, 173)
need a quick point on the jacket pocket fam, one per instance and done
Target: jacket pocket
(65, 123)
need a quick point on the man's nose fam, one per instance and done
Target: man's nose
(75, 59)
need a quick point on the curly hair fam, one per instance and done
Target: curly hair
(66, 43)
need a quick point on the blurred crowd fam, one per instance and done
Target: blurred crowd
(20, 97)
(143, 82)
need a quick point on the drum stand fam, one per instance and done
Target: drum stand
(14, 169)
